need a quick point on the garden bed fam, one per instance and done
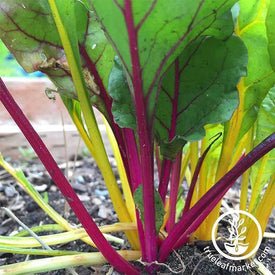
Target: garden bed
(88, 183)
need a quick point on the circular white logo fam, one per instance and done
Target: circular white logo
(236, 245)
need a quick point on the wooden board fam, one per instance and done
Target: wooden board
(46, 117)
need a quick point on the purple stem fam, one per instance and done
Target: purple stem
(196, 174)
(164, 178)
(135, 176)
(196, 215)
(172, 131)
(140, 233)
(174, 187)
(145, 141)
(46, 158)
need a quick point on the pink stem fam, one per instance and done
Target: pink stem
(196, 174)
(135, 176)
(164, 178)
(46, 158)
(145, 141)
(175, 178)
(172, 132)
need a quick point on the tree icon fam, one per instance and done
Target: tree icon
(235, 245)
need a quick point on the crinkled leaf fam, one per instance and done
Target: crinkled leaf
(149, 35)
(199, 88)
(159, 207)
(260, 75)
(122, 107)
(264, 168)
(37, 46)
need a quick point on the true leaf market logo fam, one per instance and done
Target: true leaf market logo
(234, 227)
(236, 246)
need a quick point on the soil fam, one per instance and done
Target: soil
(88, 183)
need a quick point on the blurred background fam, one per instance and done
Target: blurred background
(48, 116)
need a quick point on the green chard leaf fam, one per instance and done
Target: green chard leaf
(223, 27)
(159, 207)
(149, 35)
(122, 107)
(199, 88)
(256, 29)
(37, 46)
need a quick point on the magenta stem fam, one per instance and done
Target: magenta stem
(164, 178)
(196, 174)
(145, 141)
(172, 132)
(174, 187)
(135, 176)
(140, 233)
(46, 158)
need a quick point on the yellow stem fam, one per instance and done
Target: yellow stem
(231, 135)
(194, 146)
(246, 175)
(202, 182)
(229, 143)
(59, 238)
(100, 154)
(188, 176)
(123, 177)
(255, 188)
(22, 180)
(54, 263)
(262, 213)
(184, 163)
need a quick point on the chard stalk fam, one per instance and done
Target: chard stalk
(54, 263)
(66, 189)
(122, 173)
(175, 178)
(164, 177)
(145, 141)
(133, 158)
(246, 175)
(172, 131)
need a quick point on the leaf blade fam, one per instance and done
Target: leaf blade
(204, 90)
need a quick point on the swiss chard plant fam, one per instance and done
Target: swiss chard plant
(164, 75)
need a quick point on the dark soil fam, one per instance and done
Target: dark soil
(88, 183)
